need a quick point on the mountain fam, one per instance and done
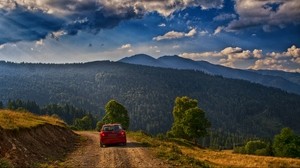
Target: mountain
(286, 81)
(142, 59)
(148, 93)
(291, 76)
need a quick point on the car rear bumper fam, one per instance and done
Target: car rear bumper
(107, 141)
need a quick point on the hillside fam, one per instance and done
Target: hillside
(233, 106)
(283, 80)
(27, 140)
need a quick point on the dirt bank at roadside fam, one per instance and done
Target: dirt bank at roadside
(29, 146)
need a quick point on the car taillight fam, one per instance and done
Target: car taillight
(122, 133)
(102, 134)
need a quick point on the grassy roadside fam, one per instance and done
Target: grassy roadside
(183, 153)
(11, 120)
(169, 150)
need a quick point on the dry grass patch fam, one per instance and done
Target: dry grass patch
(228, 159)
(15, 120)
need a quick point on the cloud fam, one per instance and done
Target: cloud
(20, 24)
(224, 16)
(191, 33)
(231, 56)
(267, 14)
(39, 42)
(175, 35)
(125, 46)
(162, 25)
(227, 57)
(203, 32)
(33, 20)
(218, 30)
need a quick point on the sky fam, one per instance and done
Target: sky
(245, 34)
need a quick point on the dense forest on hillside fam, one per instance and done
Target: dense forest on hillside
(232, 106)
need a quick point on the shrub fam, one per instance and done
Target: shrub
(240, 149)
(252, 146)
(262, 152)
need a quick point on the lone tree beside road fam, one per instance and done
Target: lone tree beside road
(189, 120)
(115, 113)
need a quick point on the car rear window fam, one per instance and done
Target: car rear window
(111, 127)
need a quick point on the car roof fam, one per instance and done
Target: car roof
(110, 124)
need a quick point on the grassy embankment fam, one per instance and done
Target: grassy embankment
(10, 120)
(184, 154)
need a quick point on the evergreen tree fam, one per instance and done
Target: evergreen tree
(1, 105)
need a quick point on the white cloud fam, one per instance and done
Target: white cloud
(2, 46)
(169, 35)
(218, 30)
(257, 53)
(39, 42)
(236, 56)
(203, 32)
(224, 16)
(203, 55)
(125, 46)
(162, 25)
(130, 50)
(191, 33)
(175, 35)
(266, 14)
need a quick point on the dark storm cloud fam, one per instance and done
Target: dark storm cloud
(21, 24)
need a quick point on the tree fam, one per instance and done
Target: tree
(189, 120)
(1, 105)
(116, 113)
(287, 144)
(84, 123)
(99, 125)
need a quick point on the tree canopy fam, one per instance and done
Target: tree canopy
(287, 144)
(116, 113)
(189, 120)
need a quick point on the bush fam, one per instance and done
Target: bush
(252, 146)
(262, 152)
(240, 149)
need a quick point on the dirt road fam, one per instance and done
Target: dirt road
(89, 154)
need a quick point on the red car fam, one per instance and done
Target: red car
(112, 134)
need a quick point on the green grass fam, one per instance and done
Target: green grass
(169, 150)
(11, 120)
(5, 164)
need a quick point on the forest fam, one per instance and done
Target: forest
(234, 107)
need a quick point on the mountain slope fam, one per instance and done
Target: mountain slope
(285, 82)
(148, 93)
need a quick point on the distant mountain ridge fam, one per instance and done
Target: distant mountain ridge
(289, 82)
